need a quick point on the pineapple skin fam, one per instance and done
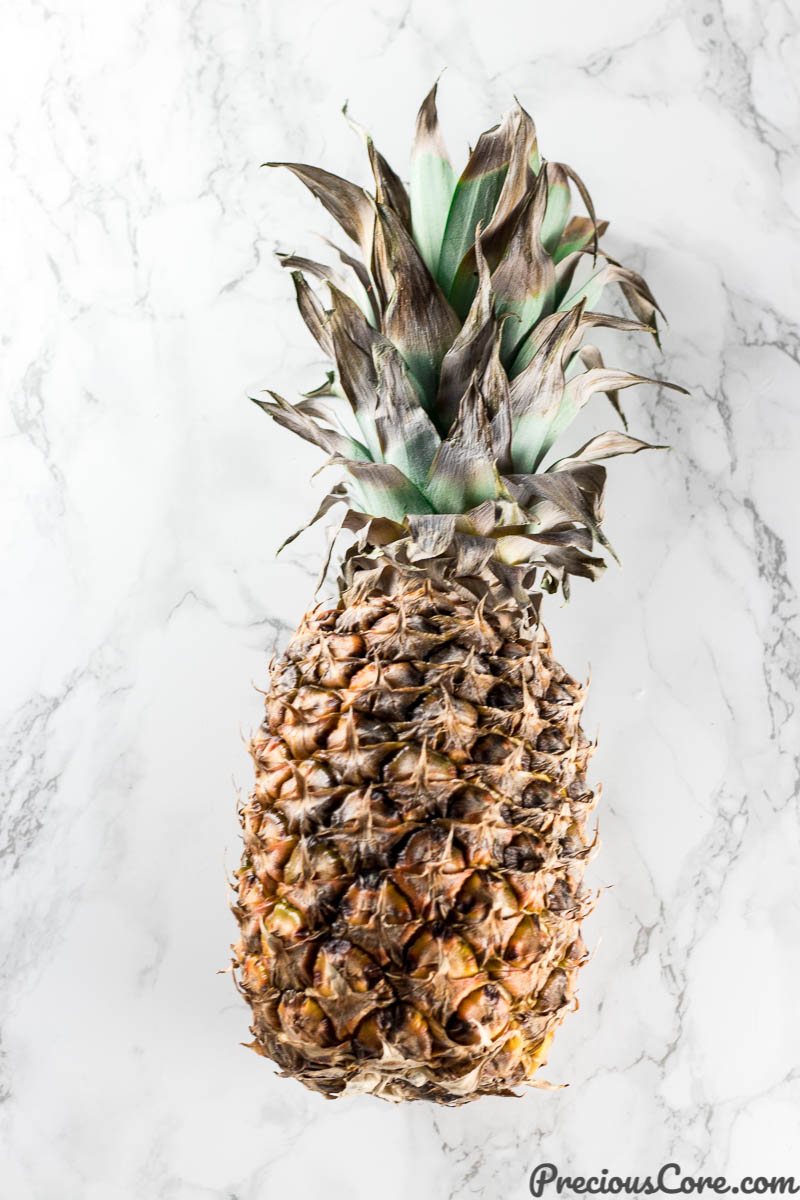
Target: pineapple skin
(411, 890)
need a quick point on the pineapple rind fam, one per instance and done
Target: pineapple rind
(412, 886)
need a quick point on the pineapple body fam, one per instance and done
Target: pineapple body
(411, 889)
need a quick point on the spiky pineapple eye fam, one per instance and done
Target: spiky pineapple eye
(307, 775)
(446, 954)
(414, 763)
(310, 704)
(312, 859)
(359, 903)
(470, 804)
(362, 731)
(554, 992)
(431, 845)
(525, 942)
(481, 1015)
(285, 920)
(339, 961)
(493, 748)
(346, 646)
(304, 1020)
(394, 906)
(372, 1033)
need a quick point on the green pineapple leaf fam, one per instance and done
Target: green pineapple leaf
(353, 340)
(457, 337)
(640, 299)
(432, 184)
(537, 393)
(298, 421)
(578, 234)
(417, 318)
(523, 282)
(517, 186)
(470, 347)
(474, 200)
(558, 206)
(579, 391)
(407, 436)
(384, 490)
(463, 472)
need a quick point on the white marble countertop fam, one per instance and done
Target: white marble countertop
(144, 499)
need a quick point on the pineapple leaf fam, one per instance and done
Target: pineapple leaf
(299, 422)
(457, 337)
(565, 273)
(591, 357)
(326, 388)
(373, 531)
(389, 187)
(353, 340)
(312, 313)
(517, 186)
(407, 435)
(295, 262)
(580, 390)
(497, 393)
(384, 490)
(537, 393)
(577, 235)
(541, 331)
(432, 535)
(337, 495)
(640, 299)
(463, 472)
(587, 200)
(470, 348)
(310, 407)
(558, 206)
(473, 554)
(605, 445)
(475, 197)
(418, 319)
(562, 491)
(362, 275)
(348, 204)
(565, 562)
(432, 184)
(361, 285)
(483, 519)
(523, 282)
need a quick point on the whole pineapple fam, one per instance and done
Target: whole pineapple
(411, 894)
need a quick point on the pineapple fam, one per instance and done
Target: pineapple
(411, 892)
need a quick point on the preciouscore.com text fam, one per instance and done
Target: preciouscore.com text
(669, 1180)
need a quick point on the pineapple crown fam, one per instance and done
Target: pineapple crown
(457, 342)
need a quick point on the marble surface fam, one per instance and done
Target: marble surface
(144, 498)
